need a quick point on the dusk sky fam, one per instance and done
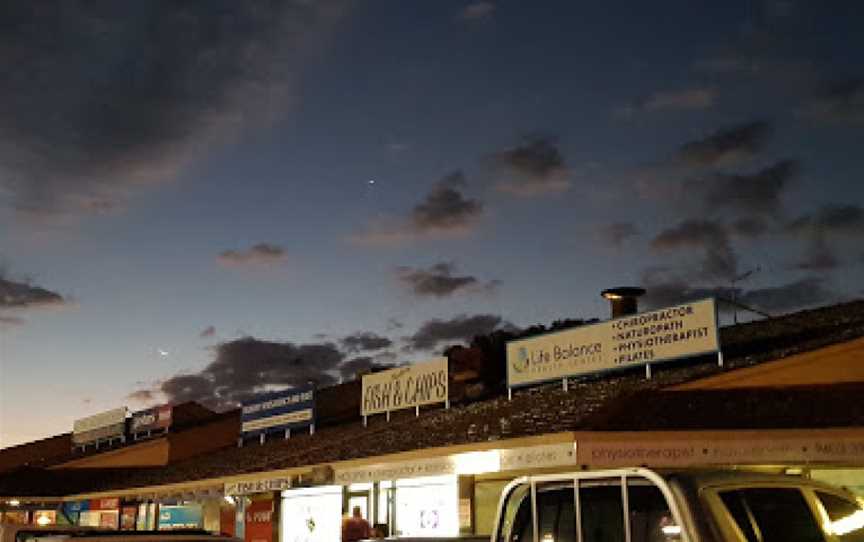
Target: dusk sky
(200, 200)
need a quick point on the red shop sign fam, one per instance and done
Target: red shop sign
(259, 521)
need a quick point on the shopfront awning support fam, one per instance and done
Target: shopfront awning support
(648, 371)
(509, 394)
(365, 421)
(720, 358)
(564, 383)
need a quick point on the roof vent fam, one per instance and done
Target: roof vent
(623, 299)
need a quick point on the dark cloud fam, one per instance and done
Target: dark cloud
(208, 331)
(799, 294)
(461, 328)
(726, 146)
(831, 220)
(791, 296)
(842, 102)
(23, 295)
(142, 396)
(822, 230)
(352, 367)
(262, 254)
(758, 192)
(720, 261)
(534, 168)
(246, 366)
(444, 212)
(439, 281)
(101, 97)
(618, 232)
(748, 227)
(364, 341)
(476, 11)
(818, 257)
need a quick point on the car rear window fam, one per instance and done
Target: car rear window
(772, 515)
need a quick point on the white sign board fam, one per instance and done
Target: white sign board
(257, 486)
(639, 339)
(105, 425)
(405, 387)
(529, 457)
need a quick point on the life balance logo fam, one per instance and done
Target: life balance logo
(521, 363)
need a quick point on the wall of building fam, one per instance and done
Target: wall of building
(219, 433)
(150, 453)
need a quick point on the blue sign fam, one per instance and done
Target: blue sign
(291, 408)
(73, 509)
(180, 517)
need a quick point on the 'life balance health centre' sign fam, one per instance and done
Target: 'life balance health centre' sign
(630, 341)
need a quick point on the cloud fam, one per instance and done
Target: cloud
(685, 99)
(122, 96)
(439, 281)
(246, 366)
(476, 11)
(23, 295)
(720, 261)
(821, 229)
(260, 255)
(748, 227)
(444, 212)
(208, 331)
(757, 192)
(787, 297)
(726, 146)
(461, 328)
(831, 220)
(533, 168)
(142, 396)
(11, 321)
(364, 341)
(352, 367)
(617, 233)
(842, 102)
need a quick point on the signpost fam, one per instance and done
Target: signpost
(106, 425)
(280, 410)
(153, 419)
(635, 340)
(405, 387)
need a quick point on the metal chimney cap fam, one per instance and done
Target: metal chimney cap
(622, 292)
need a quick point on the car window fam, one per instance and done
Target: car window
(778, 515)
(602, 513)
(845, 517)
(556, 520)
(650, 517)
(516, 522)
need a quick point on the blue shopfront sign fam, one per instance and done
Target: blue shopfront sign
(180, 517)
(73, 509)
(279, 410)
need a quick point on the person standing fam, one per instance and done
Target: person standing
(355, 528)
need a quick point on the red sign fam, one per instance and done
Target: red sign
(105, 504)
(259, 521)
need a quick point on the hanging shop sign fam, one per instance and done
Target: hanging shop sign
(257, 486)
(285, 409)
(180, 517)
(152, 419)
(636, 340)
(405, 387)
(105, 425)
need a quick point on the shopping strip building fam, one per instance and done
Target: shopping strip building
(424, 462)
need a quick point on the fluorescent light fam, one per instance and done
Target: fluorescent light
(477, 462)
(14, 502)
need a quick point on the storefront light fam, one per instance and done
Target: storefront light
(477, 462)
(43, 521)
(229, 499)
(14, 502)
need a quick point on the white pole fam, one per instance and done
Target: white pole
(648, 371)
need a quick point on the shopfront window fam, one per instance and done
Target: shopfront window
(427, 506)
(312, 515)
